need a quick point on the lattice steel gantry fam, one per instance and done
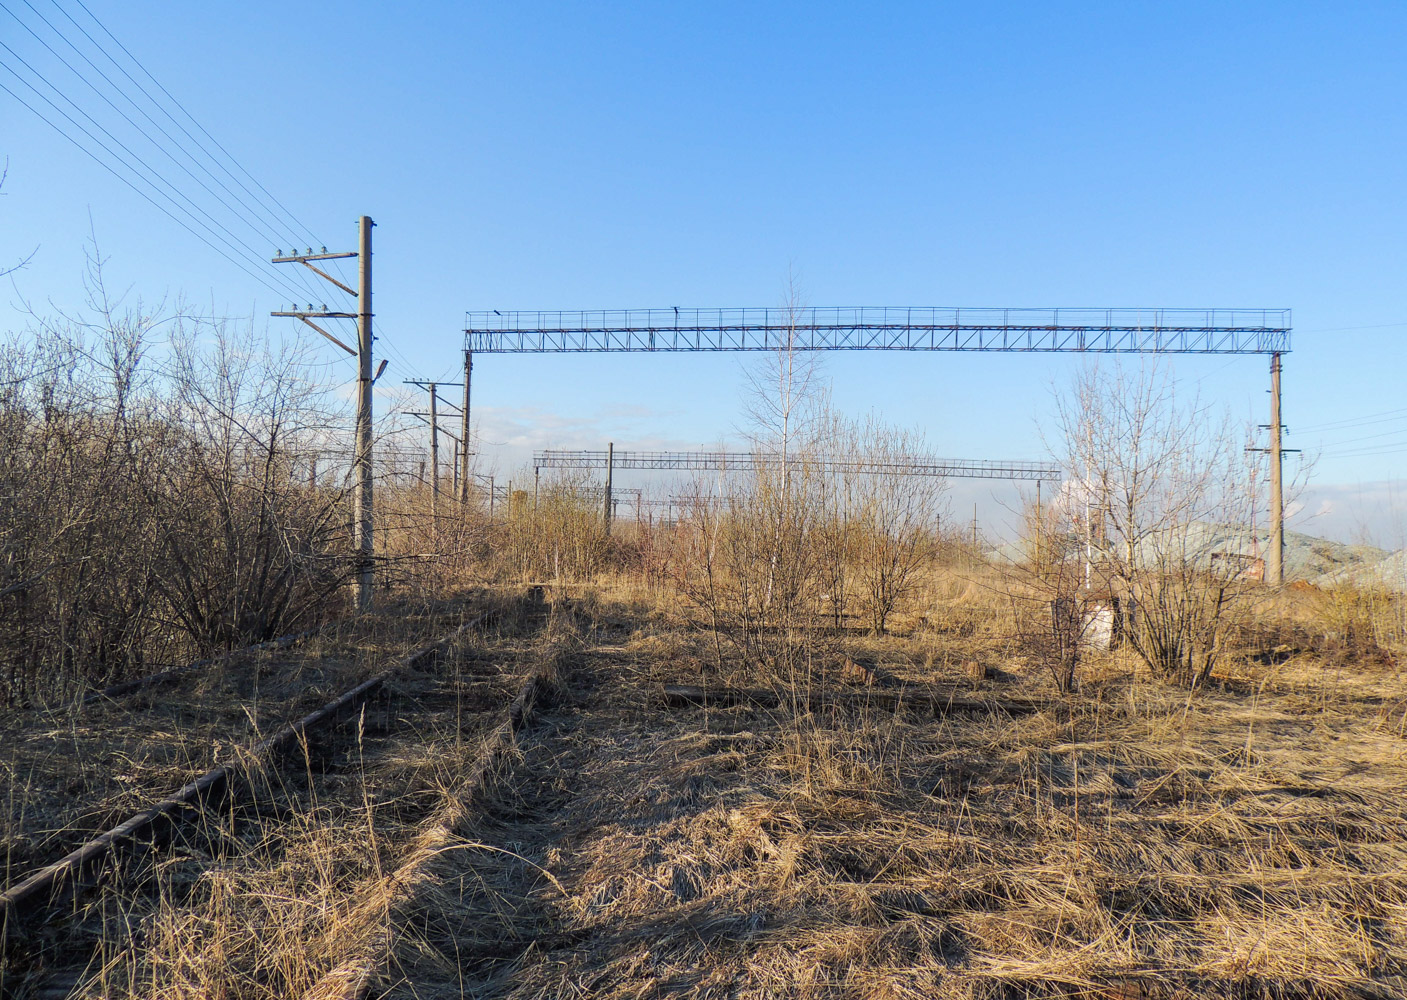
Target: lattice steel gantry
(905, 328)
(744, 461)
(882, 328)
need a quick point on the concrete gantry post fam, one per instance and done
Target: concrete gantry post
(610, 469)
(434, 458)
(363, 497)
(1275, 552)
(464, 432)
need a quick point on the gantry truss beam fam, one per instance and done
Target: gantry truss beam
(741, 461)
(883, 328)
(593, 493)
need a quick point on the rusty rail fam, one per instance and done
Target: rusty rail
(354, 978)
(50, 882)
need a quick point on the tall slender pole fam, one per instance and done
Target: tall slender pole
(610, 468)
(363, 499)
(464, 432)
(434, 458)
(1039, 526)
(1275, 553)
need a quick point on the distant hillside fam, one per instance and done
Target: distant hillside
(1307, 557)
(1390, 572)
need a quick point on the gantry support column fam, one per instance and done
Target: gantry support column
(435, 458)
(610, 468)
(464, 432)
(1275, 553)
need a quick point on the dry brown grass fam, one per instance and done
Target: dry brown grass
(69, 772)
(296, 888)
(1133, 840)
(1226, 845)
(252, 894)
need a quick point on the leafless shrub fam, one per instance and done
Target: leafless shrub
(749, 555)
(1155, 493)
(148, 504)
(798, 539)
(895, 517)
(246, 548)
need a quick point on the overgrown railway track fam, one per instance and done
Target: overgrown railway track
(582, 824)
(77, 769)
(378, 747)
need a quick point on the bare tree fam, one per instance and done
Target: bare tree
(783, 403)
(1155, 496)
(895, 516)
(747, 551)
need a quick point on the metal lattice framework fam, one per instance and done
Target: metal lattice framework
(595, 494)
(741, 461)
(882, 328)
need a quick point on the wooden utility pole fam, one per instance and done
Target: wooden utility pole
(432, 419)
(362, 492)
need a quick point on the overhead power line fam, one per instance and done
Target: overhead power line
(194, 121)
(146, 197)
(164, 149)
(263, 205)
(1366, 437)
(213, 197)
(1385, 416)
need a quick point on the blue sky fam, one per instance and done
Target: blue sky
(533, 155)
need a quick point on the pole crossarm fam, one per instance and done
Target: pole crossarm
(314, 314)
(362, 496)
(882, 328)
(426, 384)
(741, 461)
(303, 258)
(424, 419)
